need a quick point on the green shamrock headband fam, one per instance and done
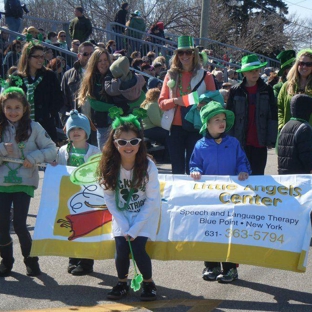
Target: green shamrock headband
(32, 42)
(13, 90)
(116, 112)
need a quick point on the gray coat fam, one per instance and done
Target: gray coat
(38, 148)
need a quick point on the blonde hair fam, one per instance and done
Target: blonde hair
(176, 65)
(152, 95)
(293, 77)
(88, 81)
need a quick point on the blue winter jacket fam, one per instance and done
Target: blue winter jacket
(226, 158)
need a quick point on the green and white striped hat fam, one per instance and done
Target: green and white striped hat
(251, 62)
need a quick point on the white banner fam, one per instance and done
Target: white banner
(262, 221)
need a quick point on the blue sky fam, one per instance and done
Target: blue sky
(303, 8)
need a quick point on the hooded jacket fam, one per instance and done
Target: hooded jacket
(295, 139)
(138, 23)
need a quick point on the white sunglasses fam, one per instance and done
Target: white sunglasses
(133, 142)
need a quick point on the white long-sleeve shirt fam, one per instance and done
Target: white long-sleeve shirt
(142, 216)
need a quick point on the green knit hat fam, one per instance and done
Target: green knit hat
(309, 51)
(251, 62)
(185, 42)
(212, 109)
(287, 58)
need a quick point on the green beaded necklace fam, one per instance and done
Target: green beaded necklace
(180, 86)
(12, 174)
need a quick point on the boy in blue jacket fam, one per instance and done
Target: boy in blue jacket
(218, 154)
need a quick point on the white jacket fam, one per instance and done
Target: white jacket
(63, 156)
(142, 216)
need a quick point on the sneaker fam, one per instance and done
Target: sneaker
(229, 277)
(32, 266)
(80, 270)
(118, 291)
(71, 267)
(4, 270)
(211, 274)
(149, 291)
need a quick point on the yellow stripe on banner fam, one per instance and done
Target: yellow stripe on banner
(190, 251)
(252, 255)
(92, 250)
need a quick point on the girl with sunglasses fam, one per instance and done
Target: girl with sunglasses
(131, 191)
(299, 81)
(184, 76)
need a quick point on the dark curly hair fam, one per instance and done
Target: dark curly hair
(109, 166)
(23, 130)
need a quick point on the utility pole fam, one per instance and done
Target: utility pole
(204, 22)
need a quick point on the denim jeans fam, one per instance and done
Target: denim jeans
(181, 144)
(21, 203)
(13, 24)
(102, 136)
(141, 257)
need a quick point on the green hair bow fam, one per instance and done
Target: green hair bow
(32, 42)
(116, 112)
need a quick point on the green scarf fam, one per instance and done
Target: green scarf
(30, 94)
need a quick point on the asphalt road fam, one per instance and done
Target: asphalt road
(179, 284)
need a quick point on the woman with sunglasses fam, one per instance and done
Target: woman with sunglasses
(299, 81)
(92, 98)
(41, 87)
(184, 76)
(61, 40)
(12, 55)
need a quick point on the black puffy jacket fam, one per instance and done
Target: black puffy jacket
(295, 139)
(266, 113)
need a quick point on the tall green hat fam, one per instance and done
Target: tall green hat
(185, 42)
(251, 62)
(214, 108)
(287, 58)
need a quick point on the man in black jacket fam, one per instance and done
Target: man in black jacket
(121, 18)
(72, 78)
(80, 27)
(13, 14)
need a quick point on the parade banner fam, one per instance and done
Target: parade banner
(263, 221)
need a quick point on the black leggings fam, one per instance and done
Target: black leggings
(141, 257)
(21, 203)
